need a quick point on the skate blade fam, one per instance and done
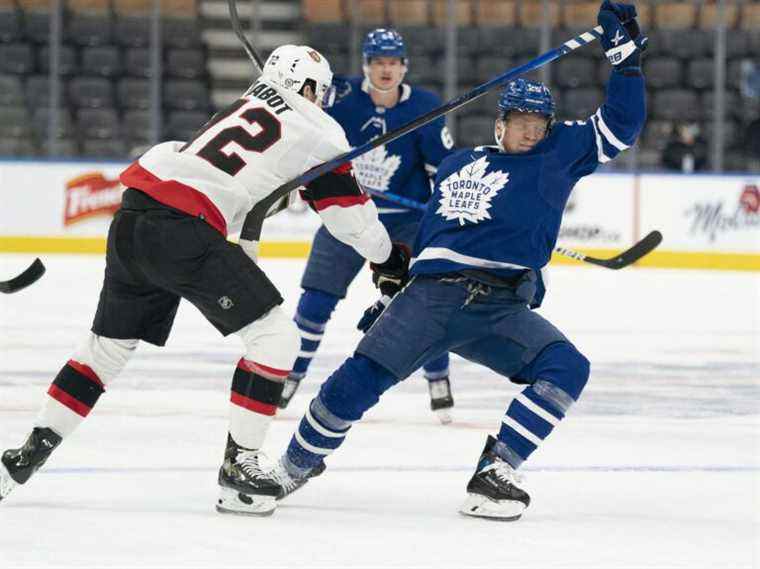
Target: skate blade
(444, 416)
(481, 507)
(7, 484)
(233, 502)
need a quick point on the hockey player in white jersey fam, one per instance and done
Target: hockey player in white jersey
(168, 241)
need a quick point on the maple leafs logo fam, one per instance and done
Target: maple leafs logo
(466, 195)
(376, 168)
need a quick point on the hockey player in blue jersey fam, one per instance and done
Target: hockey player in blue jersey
(369, 107)
(489, 229)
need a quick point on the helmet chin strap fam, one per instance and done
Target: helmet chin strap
(498, 138)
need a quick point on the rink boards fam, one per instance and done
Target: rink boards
(708, 222)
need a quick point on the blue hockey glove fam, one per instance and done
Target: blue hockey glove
(373, 313)
(622, 40)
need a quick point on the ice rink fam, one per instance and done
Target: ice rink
(658, 465)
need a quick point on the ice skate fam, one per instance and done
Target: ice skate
(441, 400)
(19, 464)
(493, 491)
(246, 487)
(289, 390)
(289, 480)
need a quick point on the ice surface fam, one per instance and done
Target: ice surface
(657, 466)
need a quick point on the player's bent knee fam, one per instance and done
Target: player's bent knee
(355, 387)
(562, 366)
(272, 340)
(105, 356)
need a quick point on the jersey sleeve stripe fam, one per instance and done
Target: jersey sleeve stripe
(601, 156)
(608, 134)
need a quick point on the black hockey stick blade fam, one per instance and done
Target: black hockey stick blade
(29, 276)
(629, 256)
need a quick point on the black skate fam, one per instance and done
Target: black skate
(19, 464)
(289, 390)
(441, 401)
(247, 488)
(288, 482)
(493, 490)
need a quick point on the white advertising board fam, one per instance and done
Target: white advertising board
(703, 213)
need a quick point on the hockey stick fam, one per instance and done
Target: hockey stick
(627, 257)
(29, 276)
(255, 219)
(238, 29)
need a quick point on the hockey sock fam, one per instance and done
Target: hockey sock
(314, 311)
(437, 368)
(72, 395)
(533, 414)
(319, 433)
(256, 390)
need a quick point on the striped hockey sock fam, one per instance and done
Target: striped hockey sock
(256, 390)
(72, 395)
(530, 418)
(311, 336)
(319, 433)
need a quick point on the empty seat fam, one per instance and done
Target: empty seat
(181, 32)
(475, 130)
(17, 147)
(733, 104)
(179, 8)
(700, 73)
(91, 92)
(41, 119)
(37, 26)
(63, 148)
(186, 95)
(462, 12)
(575, 72)
(528, 42)
(16, 58)
(14, 122)
(662, 72)
(580, 15)
(708, 15)
(138, 127)
(532, 13)
(322, 11)
(738, 43)
(687, 44)
(67, 60)
(495, 41)
(368, 12)
(10, 25)
(467, 72)
(11, 91)
(580, 103)
(489, 67)
(86, 29)
(104, 61)
(132, 31)
(186, 63)
(675, 15)
(38, 92)
(675, 104)
(114, 149)
(98, 123)
(88, 6)
(132, 7)
(422, 40)
(732, 133)
(408, 12)
(496, 13)
(182, 125)
(133, 93)
(137, 62)
(750, 18)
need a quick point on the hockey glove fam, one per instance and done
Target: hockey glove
(622, 40)
(373, 313)
(391, 276)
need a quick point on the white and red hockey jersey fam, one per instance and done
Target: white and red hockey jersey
(264, 139)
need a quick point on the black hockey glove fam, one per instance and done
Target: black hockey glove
(390, 277)
(622, 40)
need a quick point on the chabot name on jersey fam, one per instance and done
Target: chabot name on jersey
(270, 97)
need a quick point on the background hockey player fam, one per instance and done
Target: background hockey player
(369, 107)
(168, 241)
(489, 228)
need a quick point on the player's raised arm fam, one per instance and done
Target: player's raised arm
(614, 127)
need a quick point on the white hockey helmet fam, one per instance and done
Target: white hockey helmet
(290, 66)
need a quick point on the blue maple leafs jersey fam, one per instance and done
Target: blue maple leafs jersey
(404, 167)
(501, 212)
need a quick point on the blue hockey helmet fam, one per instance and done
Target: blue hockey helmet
(526, 96)
(383, 42)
